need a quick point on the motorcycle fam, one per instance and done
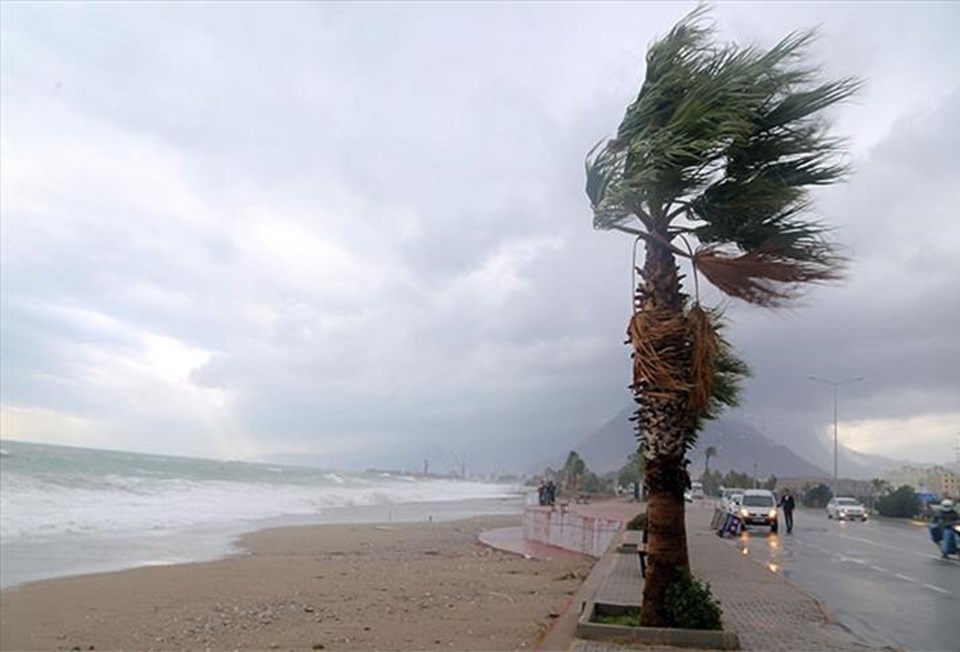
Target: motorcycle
(946, 537)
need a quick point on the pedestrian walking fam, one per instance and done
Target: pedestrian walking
(787, 504)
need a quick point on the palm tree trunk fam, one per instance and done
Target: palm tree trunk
(663, 423)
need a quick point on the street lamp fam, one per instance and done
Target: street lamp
(835, 384)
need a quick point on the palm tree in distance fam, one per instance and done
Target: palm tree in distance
(711, 165)
(707, 454)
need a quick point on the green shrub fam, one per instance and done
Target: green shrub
(690, 605)
(816, 496)
(629, 618)
(638, 522)
(902, 503)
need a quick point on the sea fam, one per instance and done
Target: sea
(71, 511)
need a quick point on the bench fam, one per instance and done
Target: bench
(635, 541)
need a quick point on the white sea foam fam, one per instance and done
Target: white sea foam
(32, 509)
(64, 511)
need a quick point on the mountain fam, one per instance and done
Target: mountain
(739, 446)
(854, 464)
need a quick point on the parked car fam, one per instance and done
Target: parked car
(842, 508)
(696, 490)
(730, 499)
(759, 507)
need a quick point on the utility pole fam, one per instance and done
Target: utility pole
(835, 384)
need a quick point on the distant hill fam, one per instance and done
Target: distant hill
(855, 464)
(739, 445)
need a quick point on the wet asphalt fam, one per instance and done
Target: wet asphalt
(883, 580)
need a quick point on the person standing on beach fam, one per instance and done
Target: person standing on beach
(551, 493)
(787, 503)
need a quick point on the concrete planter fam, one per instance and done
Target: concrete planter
(694, 638)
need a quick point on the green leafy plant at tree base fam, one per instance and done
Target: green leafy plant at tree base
(691, 605)
(629, 618)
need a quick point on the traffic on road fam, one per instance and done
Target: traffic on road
(884, 580)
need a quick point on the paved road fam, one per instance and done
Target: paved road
(885, 581)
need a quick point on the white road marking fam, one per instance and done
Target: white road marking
(882, 545)
(937, 589)
(905, 578)
(880, 569)
(871, 542)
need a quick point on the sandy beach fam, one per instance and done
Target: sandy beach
(422, 586)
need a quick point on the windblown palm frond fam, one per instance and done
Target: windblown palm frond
(609, 210)
(729, 139)
(766, 276)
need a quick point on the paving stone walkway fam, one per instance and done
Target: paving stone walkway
(764, 609)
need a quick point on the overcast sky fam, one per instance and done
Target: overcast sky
(357, 233)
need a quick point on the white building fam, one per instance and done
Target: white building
(935, 479)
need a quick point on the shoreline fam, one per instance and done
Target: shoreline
(28, 561)
(348, 586)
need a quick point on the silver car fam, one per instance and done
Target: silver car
(846, 509)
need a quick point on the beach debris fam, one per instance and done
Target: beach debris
(502, 596)
(318, 646)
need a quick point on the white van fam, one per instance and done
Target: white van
(759, 507)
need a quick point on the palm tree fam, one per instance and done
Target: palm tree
(711, 164)
(707, 454)
(877, 487)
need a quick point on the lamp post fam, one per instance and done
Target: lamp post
(835, 384)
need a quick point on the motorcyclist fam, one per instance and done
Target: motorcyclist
(947, 514)
(945, 520)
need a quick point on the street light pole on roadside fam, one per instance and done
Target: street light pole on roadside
(835, 384)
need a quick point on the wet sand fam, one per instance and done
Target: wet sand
(423, 586)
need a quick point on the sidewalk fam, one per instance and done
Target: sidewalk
(764, 609)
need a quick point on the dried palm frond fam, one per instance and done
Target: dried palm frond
(763, 277)
(658, 340)
(705, 346)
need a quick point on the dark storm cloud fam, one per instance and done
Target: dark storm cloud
(358, 232)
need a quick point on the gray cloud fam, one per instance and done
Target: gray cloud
(359, 232)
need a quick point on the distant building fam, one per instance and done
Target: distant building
(934, 479)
